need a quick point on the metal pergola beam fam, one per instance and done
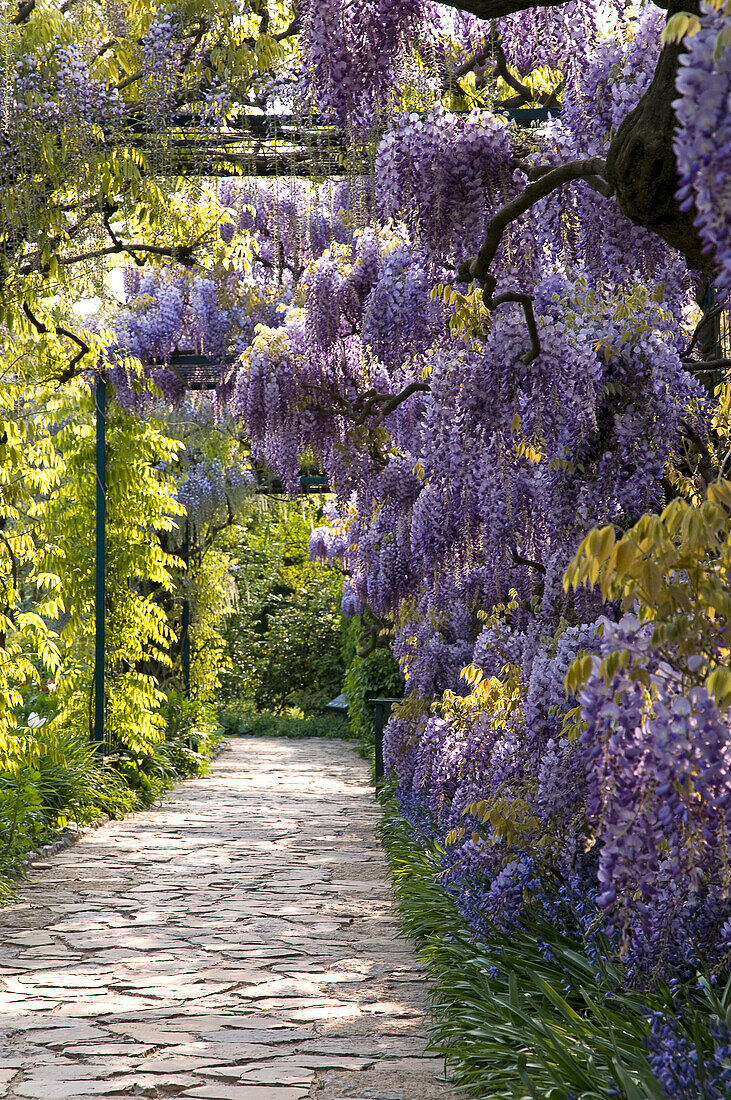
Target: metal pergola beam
(260, 145)
(100, 402)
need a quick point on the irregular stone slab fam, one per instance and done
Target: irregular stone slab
(33, 937)
(325, 1012)
(332, 1061)
(276, 1073)
(61, 1034)
(156, 1035)
(247, 1092)
(265, 1033)
(234, 1052)
(18, 1001)
(180, 1063)
(280, 987)
(129, 1050)
(63, 1090)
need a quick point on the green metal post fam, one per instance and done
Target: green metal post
(712, 337)
(185, 625)
(381, 715)
(100, 587)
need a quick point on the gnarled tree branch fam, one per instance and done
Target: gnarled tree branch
(591, 168)
(181, 253)
(641, 163)
(386, 403)
(524, 93)
(523, 300)
(479, 268)
(520, 560)
(493, 9)
(371, 402)
(477, 59)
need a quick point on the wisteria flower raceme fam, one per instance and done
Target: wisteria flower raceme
(703, 138)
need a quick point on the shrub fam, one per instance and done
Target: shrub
(240, 719)
(284, 637)
(371, 677)
(52, 776)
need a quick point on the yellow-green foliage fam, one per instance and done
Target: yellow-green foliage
(684, 24)
(29, 470)
(470, 316)
(212, 591)
(499, 696)
(73, 175)
(675, 571)
(140, 502)
(504, 818)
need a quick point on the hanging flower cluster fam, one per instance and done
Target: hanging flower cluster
(703, 141)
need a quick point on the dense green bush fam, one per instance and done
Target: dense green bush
(191, 735)
(372, 677)
(284, 637)
(240, 719)
(52, 777)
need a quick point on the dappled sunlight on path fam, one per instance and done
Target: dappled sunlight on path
(235, 943)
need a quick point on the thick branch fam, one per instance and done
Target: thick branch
(196, 37)
(523, 300)
(706, 332)
(501, 69)
(473, 62)
(126, 81)
(706, 466)
(183, 253)
(641, 162)
(533, 193)
(372, 401)
(390, 404)
(291, 30)
(493, 9)
(280, 266)
(520, 560)
(374, 630)
(27, 7)
(24, 11)
(14, 568)
(707, 364)
(368, 404)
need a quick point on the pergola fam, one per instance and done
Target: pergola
(279, 146)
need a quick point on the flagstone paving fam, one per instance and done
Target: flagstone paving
(236, 942)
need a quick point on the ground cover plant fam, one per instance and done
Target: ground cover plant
(504, 348)
(526, 1014)
(290, 651)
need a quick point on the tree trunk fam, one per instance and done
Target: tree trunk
(641, 163)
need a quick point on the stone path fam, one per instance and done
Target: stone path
(235, 943)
